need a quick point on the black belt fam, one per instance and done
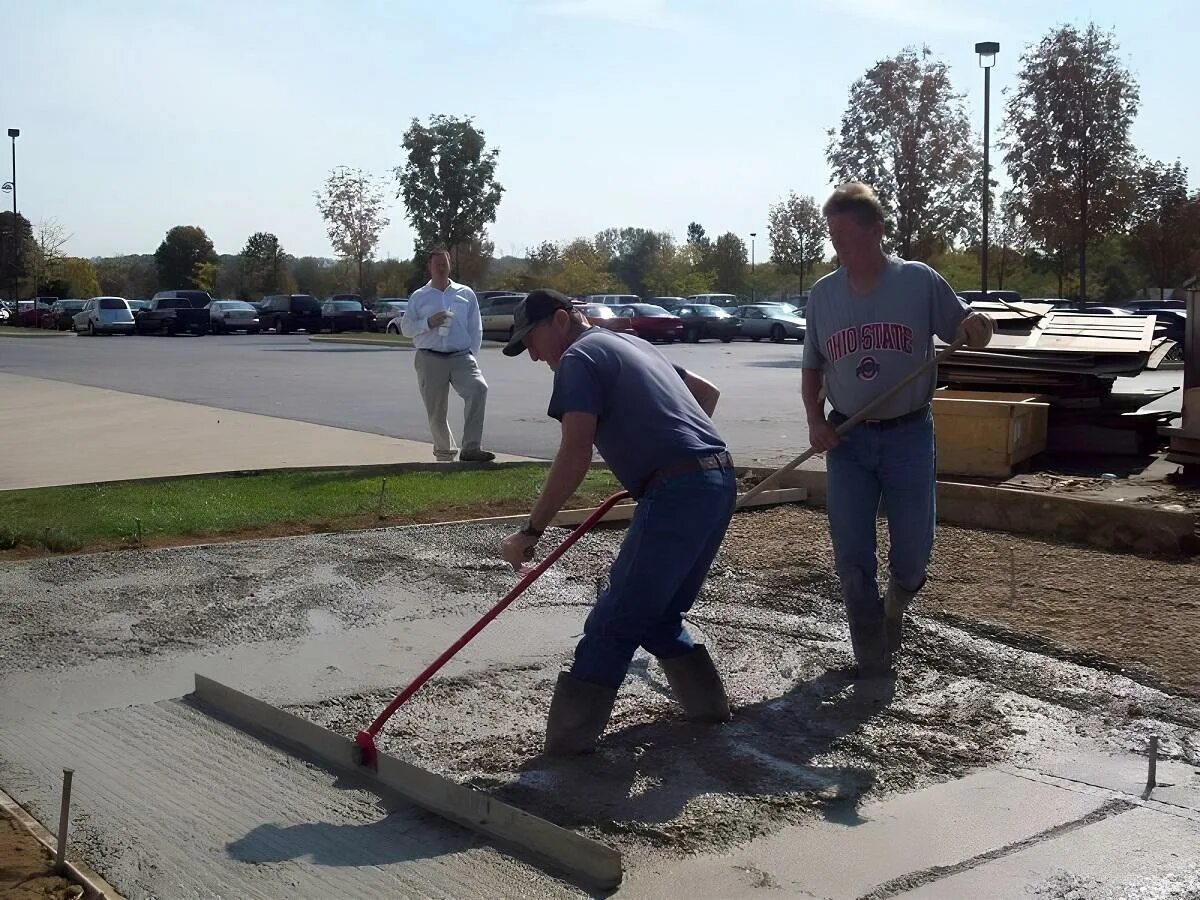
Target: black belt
(685, 466)
(836, 418)
(443, 352)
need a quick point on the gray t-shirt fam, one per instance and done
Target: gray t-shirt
(867, 343)
(645, 415)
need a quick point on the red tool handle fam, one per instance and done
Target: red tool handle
(366, 739)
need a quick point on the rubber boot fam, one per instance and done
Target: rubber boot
(578, 714)
(697, 685)
(868, 638)
(895, 602)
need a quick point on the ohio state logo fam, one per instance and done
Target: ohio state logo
(868, 368)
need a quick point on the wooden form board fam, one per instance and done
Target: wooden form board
(562, 849)
(623, 512)
(1070, 333)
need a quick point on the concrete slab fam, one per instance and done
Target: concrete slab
(938, 826)
(1139, 853)
(177, 804)
(56, 433)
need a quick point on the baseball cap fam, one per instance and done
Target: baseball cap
(534, 309)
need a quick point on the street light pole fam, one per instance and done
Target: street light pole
(15, 133)
(753, 286)
(987, 51)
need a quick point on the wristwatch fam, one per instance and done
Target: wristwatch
(530, 531)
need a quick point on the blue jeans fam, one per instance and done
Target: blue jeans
(896, 465)
(664, 559)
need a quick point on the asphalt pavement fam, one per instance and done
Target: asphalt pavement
(374, 390)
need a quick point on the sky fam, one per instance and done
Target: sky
(138, 116)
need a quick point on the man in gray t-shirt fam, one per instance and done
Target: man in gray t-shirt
(871, 324)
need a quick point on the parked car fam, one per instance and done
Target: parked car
(225, 316)
(606, 317)
(104, 315)
(613, 299)
(497, 315)
(653, 323)
(385, 310)
(668, 303)
(174, 312)
(31, 313)
(728, 301)
(701, 320)
(135, 305)
(344, 315)
(1139, 305)
(484, 297)
(290, 312)
(61, 316)
(768, 320)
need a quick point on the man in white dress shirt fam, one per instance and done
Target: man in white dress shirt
(443, 321)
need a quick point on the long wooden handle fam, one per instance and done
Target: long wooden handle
(854, 419)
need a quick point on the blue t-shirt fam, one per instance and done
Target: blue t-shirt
(645, 415)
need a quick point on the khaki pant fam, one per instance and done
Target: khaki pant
(435, 375)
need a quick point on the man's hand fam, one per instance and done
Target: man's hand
(517, 549)
(437, 319)
(976, 330)
(822, 435)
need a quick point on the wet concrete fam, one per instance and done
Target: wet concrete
(96, 647)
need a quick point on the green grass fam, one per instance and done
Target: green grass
(63, 519)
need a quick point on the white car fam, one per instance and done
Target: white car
(104, 315)
(232, 315)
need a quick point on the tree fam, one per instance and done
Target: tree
(1012, 236)
(263, 265)
(699, 242)
(47, 257)
(797, 232)
(449, 183)
(631, 253)
(729, 263)
(127, 276)
(16, 250)
(81, 276)
(352, 204)
(180, 254)
(906, 133)
(1067, 143)
(204, 277)
(1165, 236)
(392, 277)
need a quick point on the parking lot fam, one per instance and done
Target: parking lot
(373, 389)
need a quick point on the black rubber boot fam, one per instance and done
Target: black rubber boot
(697, 685)
(895, 602)
(868, 637)
(578, 714)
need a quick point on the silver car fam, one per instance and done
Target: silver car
(225, 316)
(776, 321)
(104, 315)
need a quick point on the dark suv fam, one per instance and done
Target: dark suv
(290, 312)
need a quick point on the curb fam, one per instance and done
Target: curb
(1113, 527)
(396, 343)
(7, 331)
(94, 887)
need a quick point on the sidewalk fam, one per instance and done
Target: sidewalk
(55, 433)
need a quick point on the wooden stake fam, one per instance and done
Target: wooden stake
(64, 816)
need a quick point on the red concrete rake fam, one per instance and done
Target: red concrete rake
(365, 739)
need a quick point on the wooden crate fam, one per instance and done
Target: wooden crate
(985, 433)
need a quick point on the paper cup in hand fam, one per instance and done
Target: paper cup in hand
(444, 328)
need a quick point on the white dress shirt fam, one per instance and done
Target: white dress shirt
(466, 328)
